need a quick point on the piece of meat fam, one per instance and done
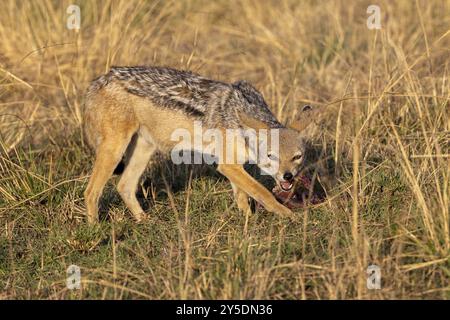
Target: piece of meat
(298, 196)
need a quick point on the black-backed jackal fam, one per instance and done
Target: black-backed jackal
(135, 110)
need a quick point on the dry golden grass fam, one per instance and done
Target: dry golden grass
(387, 95)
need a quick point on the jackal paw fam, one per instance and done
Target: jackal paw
(92, 218)
(244, 206)
(281, 210)
(141, 217)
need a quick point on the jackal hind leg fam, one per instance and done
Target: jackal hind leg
(128, 183)
(108, 155)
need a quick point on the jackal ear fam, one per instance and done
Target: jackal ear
(304, 117)
(251, 122)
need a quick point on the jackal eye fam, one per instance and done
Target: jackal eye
(297, 157)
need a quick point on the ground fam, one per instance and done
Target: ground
(386, 136)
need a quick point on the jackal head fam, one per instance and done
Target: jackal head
(288, 158)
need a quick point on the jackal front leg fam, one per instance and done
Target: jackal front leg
(242, 180)
(241, 199)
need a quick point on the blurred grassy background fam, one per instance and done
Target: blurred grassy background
(387, 132)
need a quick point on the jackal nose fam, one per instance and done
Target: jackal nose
(288, 176)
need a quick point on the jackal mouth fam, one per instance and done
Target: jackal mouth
(286, 185)
(300, 194)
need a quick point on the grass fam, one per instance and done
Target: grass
(387, 130)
